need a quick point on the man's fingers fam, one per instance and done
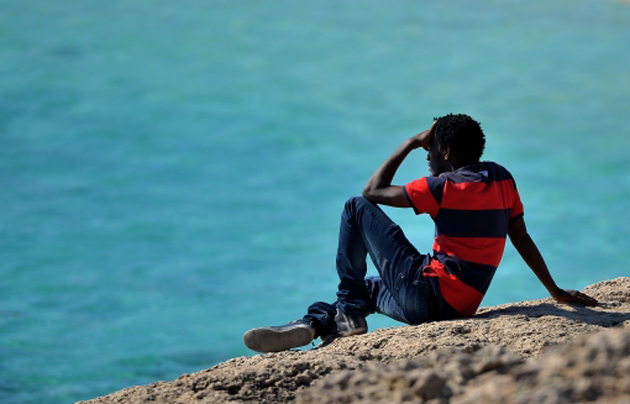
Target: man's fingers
(573, 296)
(587, 300)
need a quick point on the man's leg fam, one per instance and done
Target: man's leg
(366, 229)
(322, 317)
(400, 292)
(411, 302)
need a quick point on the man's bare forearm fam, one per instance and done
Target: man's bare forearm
(532, 257)
(384, 175)
(379, 188)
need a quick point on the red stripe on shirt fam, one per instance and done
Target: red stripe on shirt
(479, 250)
(463, 298)
(420, 195)
(479, 195)
(517, 209)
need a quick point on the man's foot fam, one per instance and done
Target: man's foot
(346, 325)
(280, 338)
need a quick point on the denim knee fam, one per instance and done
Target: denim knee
(357, 203)
(357, 200)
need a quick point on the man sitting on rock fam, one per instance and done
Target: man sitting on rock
(474, 205)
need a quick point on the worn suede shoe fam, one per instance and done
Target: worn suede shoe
(348, 324)
(280, 338)
(345, 326)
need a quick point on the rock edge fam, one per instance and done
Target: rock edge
(527, 352)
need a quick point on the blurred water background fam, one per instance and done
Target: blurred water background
(173, 172)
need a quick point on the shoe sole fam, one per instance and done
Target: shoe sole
(354, 331)
(327, 339)
(275, 339)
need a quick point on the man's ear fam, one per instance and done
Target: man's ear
(446, 153)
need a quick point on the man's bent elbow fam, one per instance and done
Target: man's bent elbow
(366, 193)
(370, 193)
(390, 196)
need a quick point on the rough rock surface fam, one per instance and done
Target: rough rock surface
(527, 352)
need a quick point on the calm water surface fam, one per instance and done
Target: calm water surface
(173, 173)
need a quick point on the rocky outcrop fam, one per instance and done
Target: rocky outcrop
(527, 352)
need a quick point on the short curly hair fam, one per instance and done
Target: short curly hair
(462, 134)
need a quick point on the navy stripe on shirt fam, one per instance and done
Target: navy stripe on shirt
(473, 274)
(473, 223)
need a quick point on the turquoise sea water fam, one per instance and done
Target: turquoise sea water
(173, 172)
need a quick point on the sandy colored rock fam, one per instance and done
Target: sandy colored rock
(592, 368)
(528, 352)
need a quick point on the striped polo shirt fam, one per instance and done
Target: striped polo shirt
(472, 208)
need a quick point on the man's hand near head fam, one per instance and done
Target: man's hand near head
(379, 188)
(422, 139)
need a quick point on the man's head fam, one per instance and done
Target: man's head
(457, 142)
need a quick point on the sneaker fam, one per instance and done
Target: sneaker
(280, 338)
(345, 326)
(348, 325)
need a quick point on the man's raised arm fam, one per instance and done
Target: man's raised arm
(379, 188)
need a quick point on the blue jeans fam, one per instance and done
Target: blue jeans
(400, 292)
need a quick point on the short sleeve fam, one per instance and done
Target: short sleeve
(517, 210)
(424, 195)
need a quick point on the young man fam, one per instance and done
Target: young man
(474, 205)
